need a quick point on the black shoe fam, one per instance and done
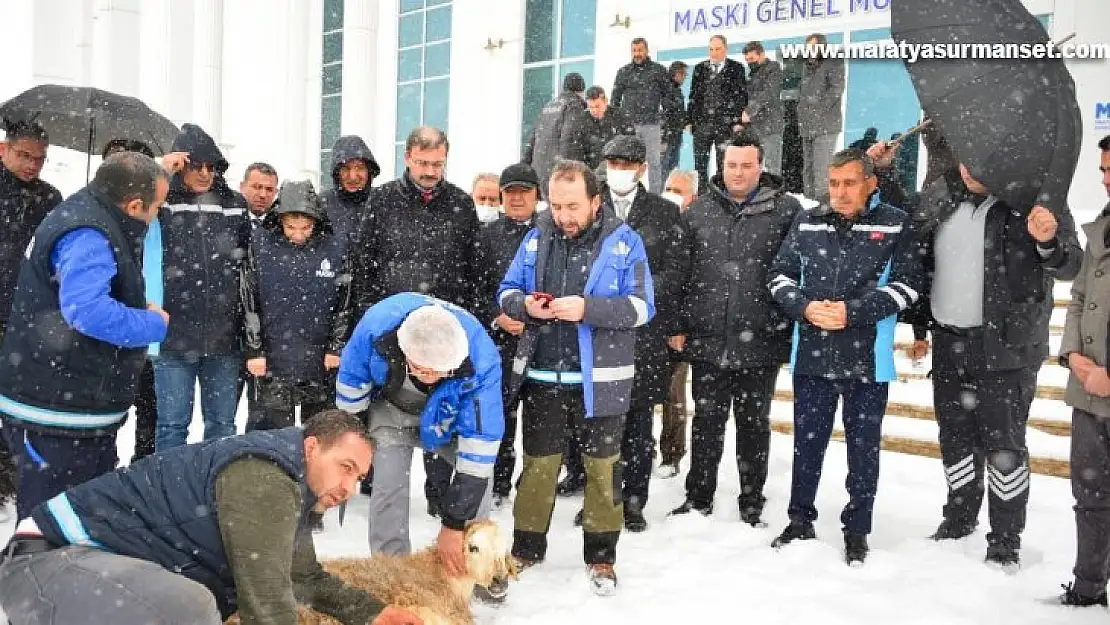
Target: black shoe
(315, 522)
(571, 485)
(501, 501)
(794, 531)
(752, 514)
(433, 509)
(689, 506)
(634, 520)
(1076, 600)
(366, 487)
(1003, 550)
(952, 530)
(855, 549)
(580, 518)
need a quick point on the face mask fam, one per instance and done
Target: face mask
(487, 214)
(674, 197)
(621, 180)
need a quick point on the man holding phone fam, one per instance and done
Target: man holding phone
(581, 285)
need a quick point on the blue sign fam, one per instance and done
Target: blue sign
(1102, 115)
(768, 12)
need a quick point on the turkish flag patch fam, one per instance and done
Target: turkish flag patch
(876, 236)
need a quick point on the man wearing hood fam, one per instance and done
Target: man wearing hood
(562, 130)
(497, 245)
(296, 299)
(192, 258)
(657, 222)
(735, 337)
(353, 169)
(581, 285)
(80, 323)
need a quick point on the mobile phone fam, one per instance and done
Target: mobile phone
(543, 297)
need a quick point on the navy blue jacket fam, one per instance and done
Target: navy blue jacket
(871, 265)
(23, 205)
(296, 299)
(465, 408)
(163, 508)
(75, 342)
(195, 252)
(345, 209)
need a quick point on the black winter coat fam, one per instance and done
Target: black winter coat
(344, 208)
(1018, 285)
(562, 131)
(717, 99)
(731, 319)
(23, 205)
(497, 246)
(667, 243)
(407, 243)
(613, 123)
(643, 92)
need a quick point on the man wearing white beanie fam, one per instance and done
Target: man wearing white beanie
(426, 375)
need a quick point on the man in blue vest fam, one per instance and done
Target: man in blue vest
(428, 376)
(195, 533)
(297, 306)
(581, 285)
(80, 323)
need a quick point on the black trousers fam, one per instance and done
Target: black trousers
(637, 449)
(1090, 484)
(47, 464)
(506, 454)
(747, 393)
(981, 416)
(546, 408)
(7, 466)
(146, 413)
(278, 400)
(709, 137)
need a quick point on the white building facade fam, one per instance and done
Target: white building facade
(279, 80)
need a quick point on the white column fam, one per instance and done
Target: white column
(360, 62)
(154, 58)
(115, 66)
(207, 54)
(16, 72)
(179, 50)
(296, 111)
(311, 89)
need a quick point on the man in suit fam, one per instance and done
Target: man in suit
(718, 97)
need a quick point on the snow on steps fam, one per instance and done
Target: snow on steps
(910, 424)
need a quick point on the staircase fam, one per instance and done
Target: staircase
(910, 425)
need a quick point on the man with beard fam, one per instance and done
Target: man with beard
(25, 199)
(353, 169)
(497, 245)
(643, 90)
(737, 337)
(418, 236)
(580, 283)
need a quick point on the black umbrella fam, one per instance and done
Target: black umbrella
(86, 119)
(1014, 123)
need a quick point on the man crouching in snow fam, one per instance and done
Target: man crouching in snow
(194, 533)
(429, 377)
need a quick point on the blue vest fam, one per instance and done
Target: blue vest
(163, 508)
(298, 289)
(45, 364)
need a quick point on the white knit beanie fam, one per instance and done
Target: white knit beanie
(432, 337)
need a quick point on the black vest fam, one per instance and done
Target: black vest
(44, 362)
(163, 508)
(298, 287)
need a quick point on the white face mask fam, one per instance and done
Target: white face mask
(487, 214)
(674, 197)
(621, 180)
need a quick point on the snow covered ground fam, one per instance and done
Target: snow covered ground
(708, 570)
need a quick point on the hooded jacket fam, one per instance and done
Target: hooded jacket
(202, 238)
(563, 130)
(23, 205)
(346, 208)
(619, 298)
(464, 410)
(731, 319)
(296, 298)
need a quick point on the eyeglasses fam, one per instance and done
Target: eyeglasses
(429, 164)
(27, 157)
(201, 166)
(418, 371)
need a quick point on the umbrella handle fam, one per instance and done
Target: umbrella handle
(916, 129)
(1064, 40)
